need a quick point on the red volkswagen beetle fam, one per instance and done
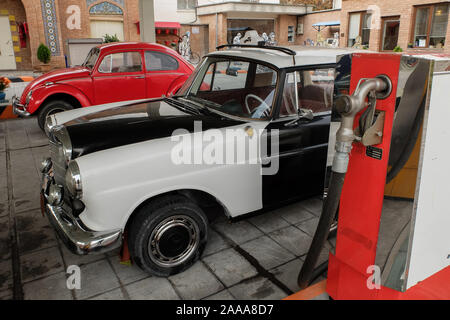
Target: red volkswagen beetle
(111, 73)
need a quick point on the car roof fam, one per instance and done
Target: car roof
(133, 45)
(304, 55)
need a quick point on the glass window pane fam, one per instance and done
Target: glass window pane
(390, 34)
(230, 75)
(421, 27)
(353, 29)
(365, 36)
(121, 62)
(439, 26)
(158, 61)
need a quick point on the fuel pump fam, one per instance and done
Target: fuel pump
(369, 133)
(389, 181)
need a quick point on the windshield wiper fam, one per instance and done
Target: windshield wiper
(199, 106)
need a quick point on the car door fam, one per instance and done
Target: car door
(161, 70)
(302, 143)
(119, 77)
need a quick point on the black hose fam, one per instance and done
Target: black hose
(329, 210)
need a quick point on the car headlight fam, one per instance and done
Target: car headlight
(73, 180)
(27, 100)
(63, 137)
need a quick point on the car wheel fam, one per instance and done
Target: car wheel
(51, 108)
(168, 235)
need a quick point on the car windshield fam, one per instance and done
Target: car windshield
(235, 87)
(91, 58)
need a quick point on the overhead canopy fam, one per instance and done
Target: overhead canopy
(322, 25)
(167, 25)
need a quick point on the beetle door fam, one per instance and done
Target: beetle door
(119, 77)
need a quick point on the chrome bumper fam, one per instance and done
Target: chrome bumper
(77, 239)
(18, 108)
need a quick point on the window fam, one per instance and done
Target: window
(291, 34)
(239, 88)
(158, 61)
(121, 62)
(430, 26)
(391, 27)
(308, 89)
(186, 4)
(359, 29)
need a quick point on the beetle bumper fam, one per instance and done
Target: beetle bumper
(18, 108)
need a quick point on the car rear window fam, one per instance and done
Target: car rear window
(158, 61)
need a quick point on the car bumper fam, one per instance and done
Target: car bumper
(18, 108)
(76, 237)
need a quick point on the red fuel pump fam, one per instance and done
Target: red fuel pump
(389, 183)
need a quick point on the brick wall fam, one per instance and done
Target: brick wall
(402, 8)
(321, 16)
(15, 10)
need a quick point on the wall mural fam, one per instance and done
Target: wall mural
(105, 8)
(74, 20)
(50, 26)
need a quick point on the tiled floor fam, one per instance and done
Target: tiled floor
(256, 258)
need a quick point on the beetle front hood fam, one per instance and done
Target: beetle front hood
(55, 76)
(135, 123)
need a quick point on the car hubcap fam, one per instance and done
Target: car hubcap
(173, 241)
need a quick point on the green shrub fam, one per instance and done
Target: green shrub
(109, 38)
(398, 49)
(43, 54)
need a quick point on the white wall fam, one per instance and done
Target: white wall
(166, 10)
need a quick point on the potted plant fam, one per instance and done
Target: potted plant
(110, 38)
(410, 45)
(398, 49)
(4, 83)
(44, 55)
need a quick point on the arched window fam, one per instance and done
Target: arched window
(105, 8)
(106, 18)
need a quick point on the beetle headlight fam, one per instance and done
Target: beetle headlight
(73, 180)
(27, 100)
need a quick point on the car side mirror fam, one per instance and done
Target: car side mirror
(305, 114)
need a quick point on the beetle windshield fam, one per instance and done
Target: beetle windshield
(91, 58)
(235, 87)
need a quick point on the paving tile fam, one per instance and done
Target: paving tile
(127, 274)
(6, 275)
(268, 253)
(34, 232)
(215, 243)
(230, 267)
(5, 241)
(309, 226)
(41, 263)
(4, 206)
(292, 239)
(77, 260)
(288, 274)
(6, 294)
(53, 287)
(196, 282)
(16, 134)
(239, 232)
(3, 171)
(314, 205)
(2, 136)
(153, 288)
(257, 289)
(115, 294)
(96, 278)
(294, 213)
(268, 222)
(222, 295)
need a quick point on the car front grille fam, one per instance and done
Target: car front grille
(59, 163)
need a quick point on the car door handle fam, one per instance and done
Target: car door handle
(139, 77)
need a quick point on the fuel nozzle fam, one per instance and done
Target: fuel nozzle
(349, 106)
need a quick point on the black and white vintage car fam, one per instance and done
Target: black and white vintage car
(151, 169)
